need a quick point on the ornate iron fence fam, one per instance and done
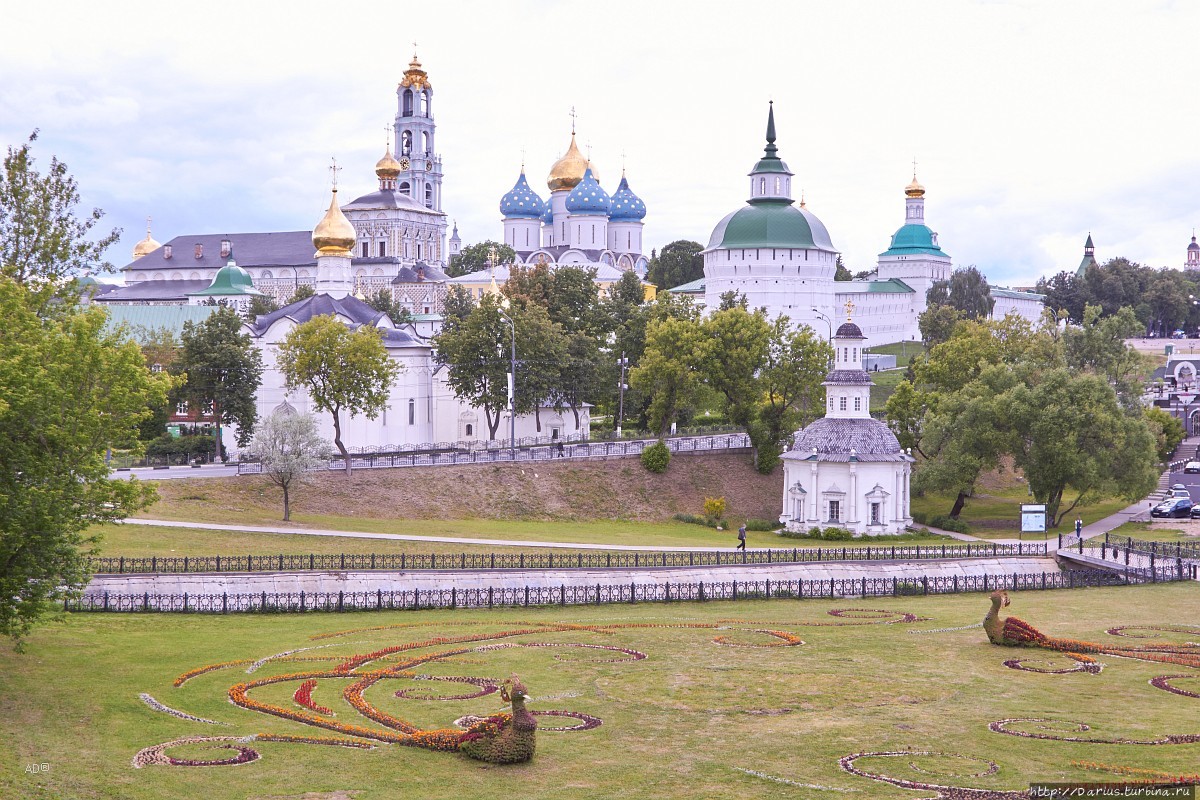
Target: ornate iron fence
(599, 594)
(550, 560)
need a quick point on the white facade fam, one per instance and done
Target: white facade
(847, 470)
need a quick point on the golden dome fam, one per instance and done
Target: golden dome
(415, 77)
(387, 168)
(334, 235)
(914, 189)
(146, 246)
(568, 171)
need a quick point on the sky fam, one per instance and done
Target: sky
(1032, 123)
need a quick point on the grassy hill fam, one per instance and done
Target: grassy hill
(618, 489)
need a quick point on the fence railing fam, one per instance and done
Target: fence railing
(599, 594)
(1190, 550)
(546, 452)
(1137, 555)
(125, 565)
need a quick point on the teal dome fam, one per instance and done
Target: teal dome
(771, 225)
(230, 279)
(914, 239)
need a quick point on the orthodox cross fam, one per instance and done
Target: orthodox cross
(572, 120)
(914, 168)
(849, 309)
(334, 169)
(150, 218)
(387, 132)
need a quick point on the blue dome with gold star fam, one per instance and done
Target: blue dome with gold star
(521, 202)
(588, 197)
(626, 206)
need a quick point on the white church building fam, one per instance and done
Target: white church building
(846, 470)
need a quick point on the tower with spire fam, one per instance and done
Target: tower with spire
(334, 237)
(1193, 254)
(914, 255)
(421, 166)
(1089, 258)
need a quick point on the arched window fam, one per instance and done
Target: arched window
(424, 104)
(406, 143)
(408, 103)
(470, 429)
(366, 249)
(778, 184)
(405, 188)
(762, 186)
(428, 195)
(425, 143)
(412, 412)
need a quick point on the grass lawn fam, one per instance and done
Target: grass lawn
(696, 718)
(997, 515)
(155, 540)
(903, 351)
(1169, 530)
(885, 383)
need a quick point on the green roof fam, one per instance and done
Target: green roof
(1013, 294)
(771, 224)
(913, 239)
(771, 165)
(1088, 261)
(691, 287)
(229, 280)
(890, 286)
(140, 319)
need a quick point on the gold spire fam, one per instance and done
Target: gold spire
(334, 235)
(568, 171)
(414, 76)
(914, 189)
(147, 245)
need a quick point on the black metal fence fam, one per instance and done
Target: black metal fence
(600, 594)
(524, 453)
(1189, 550)
(1127, 553)
(550, 560)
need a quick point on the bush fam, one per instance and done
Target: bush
(919, 517)
(825, 535)
(949, 524)
(714, 507)
(656, 457)
(761, 525)
(908, 588)
(693, 519)
(168, 445)
(837, 535)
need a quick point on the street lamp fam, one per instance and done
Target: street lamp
(623, 363)
(512, 383)
(829, 323)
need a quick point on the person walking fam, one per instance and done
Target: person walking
(1079, 527)
(741, 538)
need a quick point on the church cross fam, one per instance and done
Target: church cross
(849, 309)
(914, 168)
(334, 169)
(387, 132)
(148, 219)
(572, 120)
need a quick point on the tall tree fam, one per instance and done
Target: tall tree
(736, 343)
(1064, 292)
(969, 293)
(43, 242)
(667, 374)
(937, 323)
(224, 370)
(791, 394)
(69, 389)
(841, 273)
(679, 262)
(384, 301)
(478, 256)
(1098, 344)
(476, 356)
(342, 370)
(288, 446)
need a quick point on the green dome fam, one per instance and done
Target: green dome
(911, 239)
(771, 225)
(230, 279)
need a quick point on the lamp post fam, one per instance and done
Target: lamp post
(623, 363)
(828, 323)
(512, 383)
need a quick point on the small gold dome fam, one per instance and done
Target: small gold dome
(388, 168)
(146, 246)
(334, 235)
(568, 171)
(914, 189)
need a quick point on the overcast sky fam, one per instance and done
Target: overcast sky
(1032, 122)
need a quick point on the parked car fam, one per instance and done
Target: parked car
(1174, 507)
(1195, 512)
(1179, 490)
(1191, 467)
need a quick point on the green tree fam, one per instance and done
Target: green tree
(476, 356)
(160, 348)
(678, 263)
(69, 389)
(667, 374)
(303, 292)
(457, 307)
(342, 370)
(791, 394)
(1073, 434)
(43, 242)
(1098, 344)
(479, 256)
(383, 300)
(727, 301)
(224, 369)
(734, 348)
(288, 446)
(905, 411)
(1168, 431)
(1064, 292)
(541, 361)
(937, 323)
(969, 293)
(841, 273)
(261, 305)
